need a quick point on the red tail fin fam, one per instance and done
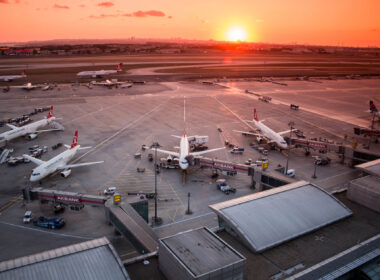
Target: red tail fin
(255, 115)
(23, 73)
(50, 113)
(119, 66)
(75, 139)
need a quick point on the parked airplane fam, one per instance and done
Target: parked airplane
(10, 78)
(110, 84)
(100, 73)
(59, 162)
(266, 132)
(184, 148)
(373, 109)
(28, 86)
(30, 130)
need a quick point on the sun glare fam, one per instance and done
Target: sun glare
(236, 33)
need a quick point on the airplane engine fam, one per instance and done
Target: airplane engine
(32, 136)
(66, 173)
(259, 139)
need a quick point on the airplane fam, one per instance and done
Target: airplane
(59, 162)
(266, 132)
(10, 78)
(28, 86)
(30, 130)
(100, 73)
(110, 84)
(373, 109)
(184, 148)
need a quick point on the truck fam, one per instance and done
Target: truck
(224, 187)
(237, 150)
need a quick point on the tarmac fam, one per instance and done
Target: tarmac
(117, 122)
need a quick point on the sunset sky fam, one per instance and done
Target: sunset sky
(318, 22)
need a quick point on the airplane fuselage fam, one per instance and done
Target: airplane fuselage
(99, 73)
(11, 78)
(25, 130)
(53, 164)
(184, 152)
(270, 134)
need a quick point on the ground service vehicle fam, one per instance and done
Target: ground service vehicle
(109, 191)
(27, 217)
(322, 160)
(224, 187)
(237, 150)
(47, 222)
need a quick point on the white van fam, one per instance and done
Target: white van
(27, 217)
(291, 173)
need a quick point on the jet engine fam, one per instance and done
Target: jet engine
(66, 173)
(32, 136)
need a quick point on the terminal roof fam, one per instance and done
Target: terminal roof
(266, 219)
(95, 259)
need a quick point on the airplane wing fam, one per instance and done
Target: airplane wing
(11, 126)
(34, 160)
(166, 152)
(249, 133)
(85, 148)
(176, 136)
(207, 151)
(46, 130)
(284, 132)
(78, 165)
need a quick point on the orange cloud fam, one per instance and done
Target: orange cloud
(106, 4)
(102, 16)
(4, 1)
(82, 6)
(140, 14)
(60, 6)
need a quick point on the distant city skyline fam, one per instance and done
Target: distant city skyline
(314, 22)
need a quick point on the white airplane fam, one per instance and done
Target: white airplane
(266, 132)
(184, 149)
(30, 130)
(10, 78)
(110, 84)
(28, 86)
(100, 73)
(58, 163)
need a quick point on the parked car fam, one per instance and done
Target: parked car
(27, 217)
(109, 191)
(48, 222)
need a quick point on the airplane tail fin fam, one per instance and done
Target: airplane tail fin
(75, 140)
(50, 113)
(119, 66)
(23, 73)
(184, 117)
(255, 115)
(372, 106)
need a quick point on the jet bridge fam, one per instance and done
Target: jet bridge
(127, 218)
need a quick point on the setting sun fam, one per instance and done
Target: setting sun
(236, 33)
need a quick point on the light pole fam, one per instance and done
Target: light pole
(315, 170)
(156, 219)
(188, 211)
(291, 124)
